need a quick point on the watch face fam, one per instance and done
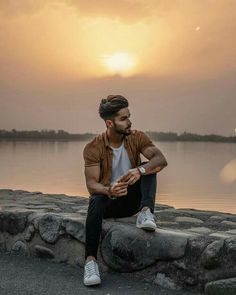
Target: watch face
(142, 169)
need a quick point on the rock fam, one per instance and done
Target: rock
(197, 245)
(216, 218)
(200, 230)
(220, 234)
(29, 232)
(188, 220)
(230, 246)
(162, 280)
(167, 223)
(2, 243)
(211, 255)
(49, 227)
(127, 248)
(34, 218)
(232, 231)
(43, 252)
(229, 223)
(20, 248)
(131, 219)
(221, 287)
(75, 227)
(12, 222)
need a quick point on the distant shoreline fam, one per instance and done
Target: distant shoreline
(61, 135)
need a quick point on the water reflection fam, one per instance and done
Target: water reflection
(228, 173)
(198, 175)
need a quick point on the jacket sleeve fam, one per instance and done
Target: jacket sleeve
(91, 155)
(144, 141)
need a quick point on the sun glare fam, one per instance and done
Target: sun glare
(119, 63)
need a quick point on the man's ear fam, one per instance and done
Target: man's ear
(109, 123)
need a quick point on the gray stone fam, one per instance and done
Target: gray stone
(12, 222)
(167, 223)
(188, 220)
(229, 223)
(131, 219)
(221, 287)
(127, 248)
(211, 255)
(20, 248)
(49, 227)
(216, 218)
(43, 252)
(220, 234)
(162, 280)
(34, 218)
(2, 243)
(231, 231)
(75, 227)
(200, 230)
(230, 246)
(29, 232)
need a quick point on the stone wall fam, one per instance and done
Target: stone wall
(191, 249)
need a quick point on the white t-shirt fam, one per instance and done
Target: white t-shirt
(120, 162)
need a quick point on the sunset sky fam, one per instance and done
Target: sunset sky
(175, 60)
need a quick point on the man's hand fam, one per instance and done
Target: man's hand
(119, 189)
(131, 176)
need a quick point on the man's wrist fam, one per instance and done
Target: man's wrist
(109, 193)
(141, 170)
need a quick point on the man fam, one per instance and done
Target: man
(118, 183)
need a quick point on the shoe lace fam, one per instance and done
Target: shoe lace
(91, 268)
(147, 215)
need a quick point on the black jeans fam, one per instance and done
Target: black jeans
(140, 194)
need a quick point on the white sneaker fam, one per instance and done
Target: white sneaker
(91, 273)
(145, 220)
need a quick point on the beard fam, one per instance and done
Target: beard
(123, 131)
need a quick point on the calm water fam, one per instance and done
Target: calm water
(198, 175)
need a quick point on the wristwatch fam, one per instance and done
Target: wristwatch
(142, 170)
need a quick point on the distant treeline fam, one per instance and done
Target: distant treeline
(63, 135)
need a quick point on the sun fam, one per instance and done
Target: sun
(119, 63)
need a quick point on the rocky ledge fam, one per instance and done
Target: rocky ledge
(190, 249)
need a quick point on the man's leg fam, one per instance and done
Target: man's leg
(145, 218)
(100, 206)
(97, 205)
(148, 187)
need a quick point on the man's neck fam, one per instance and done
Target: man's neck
(115, 139)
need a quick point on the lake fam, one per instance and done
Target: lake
(199, 175)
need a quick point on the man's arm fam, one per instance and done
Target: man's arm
(156, 162)
(92, 174)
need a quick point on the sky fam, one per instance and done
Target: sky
(174, 60)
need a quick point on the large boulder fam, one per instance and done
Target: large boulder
(126, 248)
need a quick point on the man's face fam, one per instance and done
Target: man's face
(121, 122)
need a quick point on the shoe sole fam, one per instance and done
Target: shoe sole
(146, 227)
(93, 284)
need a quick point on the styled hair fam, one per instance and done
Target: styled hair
(111, 105)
